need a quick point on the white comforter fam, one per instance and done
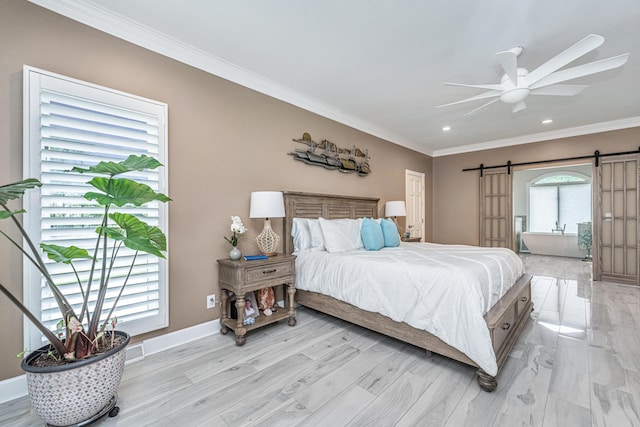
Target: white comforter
(444, 289)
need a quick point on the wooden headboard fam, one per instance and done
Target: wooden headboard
(309, 205)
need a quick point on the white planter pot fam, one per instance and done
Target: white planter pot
(76, 392)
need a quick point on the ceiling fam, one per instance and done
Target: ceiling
(378, 66)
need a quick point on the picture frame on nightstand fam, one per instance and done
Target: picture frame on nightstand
(251, 305)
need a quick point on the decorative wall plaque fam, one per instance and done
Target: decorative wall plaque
(328, 155)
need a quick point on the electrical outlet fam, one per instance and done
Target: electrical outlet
(211, 301)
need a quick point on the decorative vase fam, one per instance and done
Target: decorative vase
(235, 253)
(76, 392)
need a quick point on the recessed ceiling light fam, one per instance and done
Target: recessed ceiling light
(547, 121)
(446, 128)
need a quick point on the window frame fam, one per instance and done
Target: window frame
(34, 81)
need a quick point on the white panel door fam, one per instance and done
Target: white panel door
(414, 188)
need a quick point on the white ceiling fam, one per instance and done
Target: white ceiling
(378, 65)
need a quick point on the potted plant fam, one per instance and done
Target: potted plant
(238, 229)
(63, 377)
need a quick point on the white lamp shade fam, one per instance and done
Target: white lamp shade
(266, 204)
(395, 208)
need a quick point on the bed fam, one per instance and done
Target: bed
(502, 323)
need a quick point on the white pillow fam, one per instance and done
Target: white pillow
(317, 239)
(341, 235)
(301, 234)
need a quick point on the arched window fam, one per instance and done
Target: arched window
(560, 199)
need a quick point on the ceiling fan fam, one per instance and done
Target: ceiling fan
(517, 83)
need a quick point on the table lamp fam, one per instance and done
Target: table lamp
(395, 209)
(267, 204)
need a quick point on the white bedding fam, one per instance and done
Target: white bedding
(444, 289)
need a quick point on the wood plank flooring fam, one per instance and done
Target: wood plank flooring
(576, 364)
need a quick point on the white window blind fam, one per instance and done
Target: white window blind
(543, 208)
(575, 206)
(559, 198)
(72, 123)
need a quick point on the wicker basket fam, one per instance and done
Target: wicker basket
(76, 392)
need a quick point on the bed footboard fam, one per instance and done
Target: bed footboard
(506, 320)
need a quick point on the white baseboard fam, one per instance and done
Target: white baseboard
(182, 336)
(13, 388)
(16, 387)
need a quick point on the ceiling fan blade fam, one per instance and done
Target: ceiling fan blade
(484, 95)
(472, 112)
(559, 90)
(584, 46)
(582, 70)
(487, 86)
(518, 107)
(509, 62)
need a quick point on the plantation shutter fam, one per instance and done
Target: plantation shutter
(72, 123)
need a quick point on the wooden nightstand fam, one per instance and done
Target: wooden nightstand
(242, 276)
(411, 239)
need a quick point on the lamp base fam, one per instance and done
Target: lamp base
(268, 240)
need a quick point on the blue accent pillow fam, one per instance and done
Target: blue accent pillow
(390, 233)
(371, 234)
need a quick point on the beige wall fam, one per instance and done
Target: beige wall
(224, 142)
(455, 193)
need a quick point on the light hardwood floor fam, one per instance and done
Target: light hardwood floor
(576, 364)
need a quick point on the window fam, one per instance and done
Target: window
(72, 123)
(559, 198)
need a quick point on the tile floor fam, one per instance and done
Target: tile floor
(576, 364)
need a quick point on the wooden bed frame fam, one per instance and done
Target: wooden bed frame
(505, 320)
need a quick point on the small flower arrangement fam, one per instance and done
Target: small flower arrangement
(237, 228)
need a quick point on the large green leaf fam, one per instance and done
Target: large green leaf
(16, 190)
(64, 254)
(123, 191)
(131, 163)
(113, 233)
(140, 236)
(8, 214)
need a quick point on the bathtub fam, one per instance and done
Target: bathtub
(557, 244)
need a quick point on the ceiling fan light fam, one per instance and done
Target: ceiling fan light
(514, 96)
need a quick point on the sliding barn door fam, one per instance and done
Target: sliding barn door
(495, 209)
(615, 229)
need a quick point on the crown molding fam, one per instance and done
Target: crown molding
(133, 32)
(543, 136)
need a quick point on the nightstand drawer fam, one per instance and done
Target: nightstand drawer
(268, 272)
